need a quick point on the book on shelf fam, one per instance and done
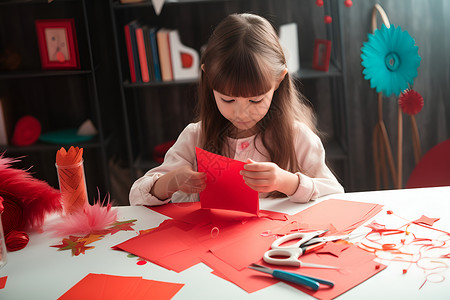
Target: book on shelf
(134, 51)
(142, 55)
(155, 55)
(148, 52)
(165, 61)
(128, 44)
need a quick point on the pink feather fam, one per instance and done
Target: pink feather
(36, 197)
(93, 218)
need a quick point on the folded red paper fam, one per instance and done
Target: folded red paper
(225, 187)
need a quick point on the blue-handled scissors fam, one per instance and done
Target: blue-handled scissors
(288, 255)
(311, 282)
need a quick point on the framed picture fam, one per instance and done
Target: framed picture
(322, 53)
(57, 42)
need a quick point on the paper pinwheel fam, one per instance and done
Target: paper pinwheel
(390, 60)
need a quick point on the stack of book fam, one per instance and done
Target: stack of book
(158, 55)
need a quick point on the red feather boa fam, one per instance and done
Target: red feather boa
(36, 198)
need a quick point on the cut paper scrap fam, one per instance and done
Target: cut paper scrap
(111, 287)
(334, 249)
(3, 282)
(77, 244)
(72, 182)
(426, 220)
(225, 187)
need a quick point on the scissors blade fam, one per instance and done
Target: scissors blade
(333, 238)
(310, 265)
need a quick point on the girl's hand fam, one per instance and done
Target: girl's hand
(269, 177)
(187, 180)
(182, 179)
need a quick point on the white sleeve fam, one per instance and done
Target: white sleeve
(180, 154)
(316, 179)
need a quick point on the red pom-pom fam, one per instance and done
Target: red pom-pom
(411, 102)
(16, 240)
(389, 212)
(348, 3)
(328, 19)
(319, 2)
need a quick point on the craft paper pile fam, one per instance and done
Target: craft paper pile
(110, 287)
(229, 243)
(225, 187)
(72, 182)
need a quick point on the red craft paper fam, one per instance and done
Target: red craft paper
(111, 287)
(3, 282)
(225, 187)
(158, 243)
(344, 215)
(92, 286)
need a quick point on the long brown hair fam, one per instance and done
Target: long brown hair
(243, 58)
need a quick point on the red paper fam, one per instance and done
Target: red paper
(102, 286)
(225, 187)
(3, 282)
(344, 215)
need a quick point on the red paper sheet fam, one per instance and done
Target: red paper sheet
(345, 216)
(225, 187)
(111, 287)
(3, 282)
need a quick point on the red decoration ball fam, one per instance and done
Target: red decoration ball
(319, 2)
(411, 102)
(328, 19)
(16, 240)
(348, 3)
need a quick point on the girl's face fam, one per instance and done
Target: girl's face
(244, 112)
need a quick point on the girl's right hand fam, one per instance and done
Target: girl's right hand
(187, 180)
(182, 179)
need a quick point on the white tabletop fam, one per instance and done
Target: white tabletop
(41, 272)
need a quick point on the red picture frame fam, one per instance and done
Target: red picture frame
(322, 54)
(57, 43)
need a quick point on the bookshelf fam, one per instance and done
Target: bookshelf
(156, 112)
(58, 98)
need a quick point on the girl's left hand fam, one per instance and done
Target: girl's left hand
(269, 177)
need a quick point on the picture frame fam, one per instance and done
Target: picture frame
(57, 41)
(322, 54)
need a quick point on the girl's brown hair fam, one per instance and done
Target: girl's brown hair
(243, 58)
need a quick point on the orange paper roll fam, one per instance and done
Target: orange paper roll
(72, 182)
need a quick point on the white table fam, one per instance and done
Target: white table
(41, 272)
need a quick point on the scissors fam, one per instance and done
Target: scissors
(311, 282)
(291, 253)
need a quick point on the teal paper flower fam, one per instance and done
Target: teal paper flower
(390, 60)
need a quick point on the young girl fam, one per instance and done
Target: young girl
(249, 110)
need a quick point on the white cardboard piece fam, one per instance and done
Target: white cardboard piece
(289, 42)
(176, 50)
